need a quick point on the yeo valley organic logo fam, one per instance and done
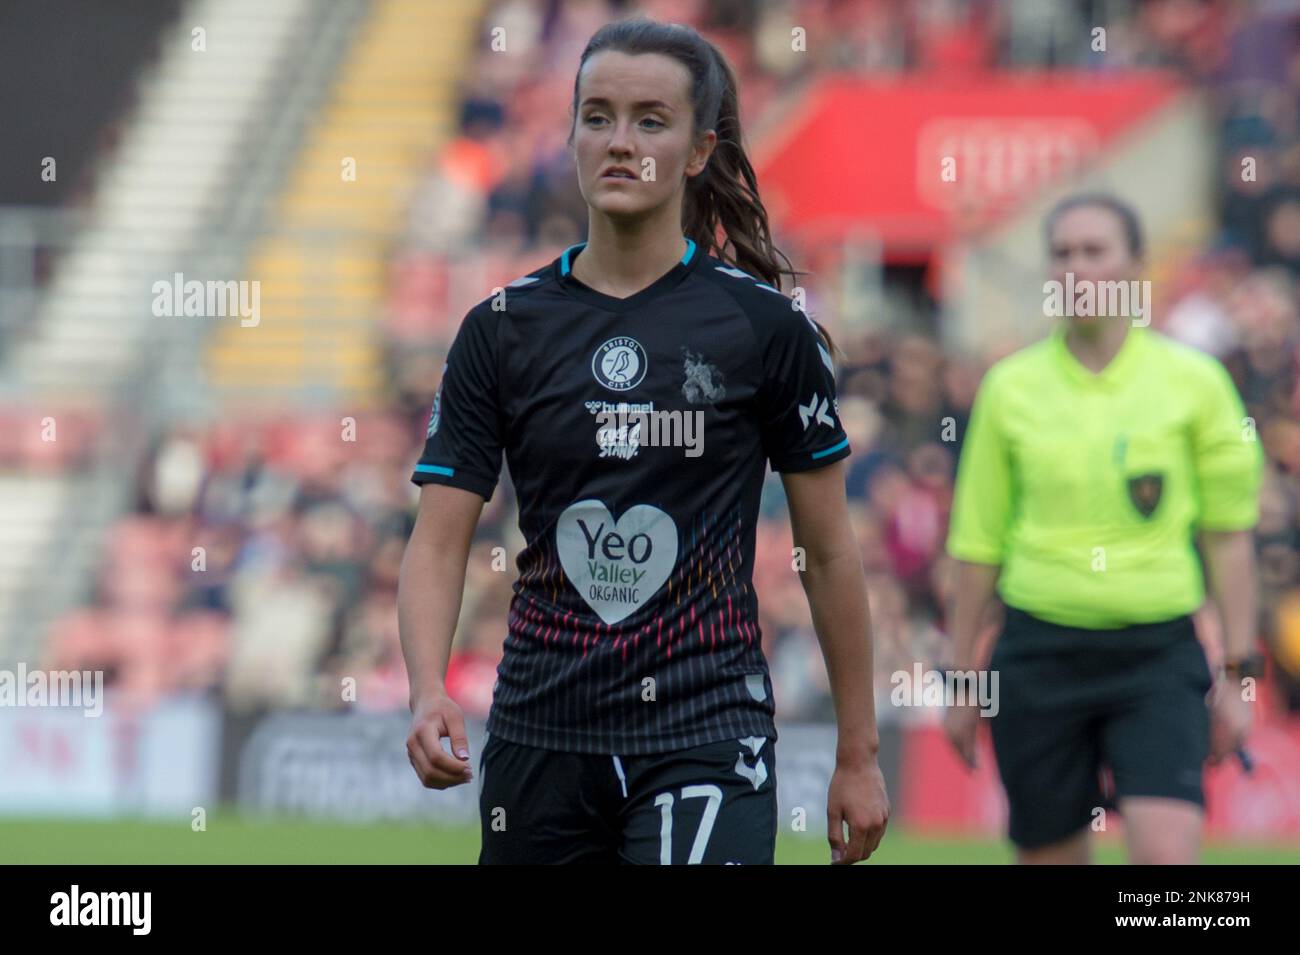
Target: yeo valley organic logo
(616, 565)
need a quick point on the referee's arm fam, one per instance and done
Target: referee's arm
(981, 513)
(1228, 469)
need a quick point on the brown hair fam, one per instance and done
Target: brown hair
(723, 198)
(1121, 210)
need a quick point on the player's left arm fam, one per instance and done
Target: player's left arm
(835, 584)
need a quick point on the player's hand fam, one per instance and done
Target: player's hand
(857, 796)
(1230, 719)
(435, 717)
(960, 724)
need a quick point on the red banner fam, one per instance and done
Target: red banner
(915, 158)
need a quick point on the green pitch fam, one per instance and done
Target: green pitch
(233, 839)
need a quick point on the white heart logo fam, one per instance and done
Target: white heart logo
(616, 565)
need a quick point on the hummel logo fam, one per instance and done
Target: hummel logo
(815, 408)
(758, 774)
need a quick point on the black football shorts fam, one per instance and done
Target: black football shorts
(1074, 703)
(713, 804)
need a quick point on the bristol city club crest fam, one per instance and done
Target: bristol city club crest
(620, 364)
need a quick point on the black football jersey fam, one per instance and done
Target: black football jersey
(637, 432)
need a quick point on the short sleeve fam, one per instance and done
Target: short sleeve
(464, 439)
(1228, 458)
(982, 499)
(800, 415)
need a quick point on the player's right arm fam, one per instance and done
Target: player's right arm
(456, 473)
(429, 592)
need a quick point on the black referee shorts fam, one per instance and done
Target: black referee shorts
(1074, 701)
(713, 804)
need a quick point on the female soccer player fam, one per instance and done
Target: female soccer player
(638, 385)
(1093, 460)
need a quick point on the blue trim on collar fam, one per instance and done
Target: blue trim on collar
(564, 259)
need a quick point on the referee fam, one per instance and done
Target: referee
(1096, 461)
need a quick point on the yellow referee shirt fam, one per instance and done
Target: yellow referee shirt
(1088, 489)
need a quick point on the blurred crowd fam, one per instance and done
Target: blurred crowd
(262, 560)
